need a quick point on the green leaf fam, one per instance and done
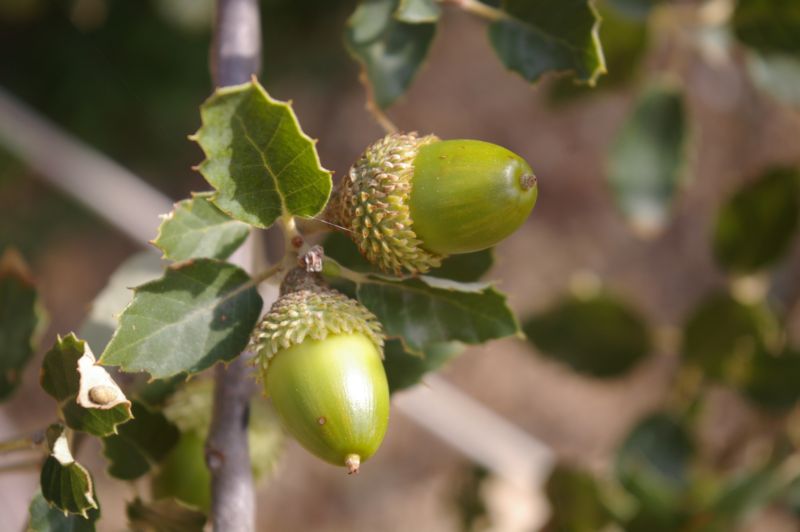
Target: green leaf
(771, 381)
(721, 331)
(390, 51)
(624, 45)
(768, 25)
(756, 225)
(599, 336)
(652, 463)
(196, 228)
(464, 267)
(647, 158)
(88, 397)
(418, 11)
(258, 159)
(199, 313)
(549, 36)
(65, 483)
(575, 502)
(20, 319)
(404, 370)
(99, 326)
(163, 516)
(45, 518)
(426, 311)
(141, 443)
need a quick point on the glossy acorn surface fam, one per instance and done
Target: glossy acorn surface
(468, 195)
(183, 474)
(332, 396)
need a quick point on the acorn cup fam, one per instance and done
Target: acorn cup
(320, 355)
(411, 201)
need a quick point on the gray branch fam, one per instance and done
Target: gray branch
(235, 57)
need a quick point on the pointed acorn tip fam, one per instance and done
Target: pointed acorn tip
(352, 462)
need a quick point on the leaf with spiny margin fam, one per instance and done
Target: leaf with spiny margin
(196, 228)
(771, 26)
(140, 443)
(426, 311)
(463, 267)
(549, 36)
(99, 326)
(200, 312)
(756, 225)
(599, 336)
(418, 11)
(45, 518)
(390, 50)
(65, 483)
(647, 158)
(21, 319)
(624, 46)
(258, 160)
(404, 370)
(165, 515)
(88, 397)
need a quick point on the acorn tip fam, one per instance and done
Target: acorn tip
(528, 181)
(352, 462)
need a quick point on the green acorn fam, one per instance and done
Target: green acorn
(410, 201)
(320, 356)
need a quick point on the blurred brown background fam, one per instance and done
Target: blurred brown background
(127, 77)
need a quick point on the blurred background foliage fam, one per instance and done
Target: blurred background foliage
(678, 324)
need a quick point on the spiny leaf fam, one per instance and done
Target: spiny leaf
(258, 159)
(89, 398)
(196, 228)
(99, 326)
(599, 336)
(45, 518)
(163, 516)
(390, 50)
(756, 225)
(624, 45)
(20, 319)
(549, 36)
(141, 443)
(647, 158)
(199, 313)
(65, 483)
(426, 311)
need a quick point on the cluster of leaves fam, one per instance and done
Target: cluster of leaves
(735, 337)
(391, 39)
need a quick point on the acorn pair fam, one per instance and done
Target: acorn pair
(408, 203)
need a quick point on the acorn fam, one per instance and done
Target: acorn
(411, 201)
(320, 355)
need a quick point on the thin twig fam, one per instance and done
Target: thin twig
(22, 443)
(236, 56)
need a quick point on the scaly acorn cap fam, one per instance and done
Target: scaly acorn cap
(372, 202)
(311, 310)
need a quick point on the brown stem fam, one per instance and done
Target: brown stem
(235, 57)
